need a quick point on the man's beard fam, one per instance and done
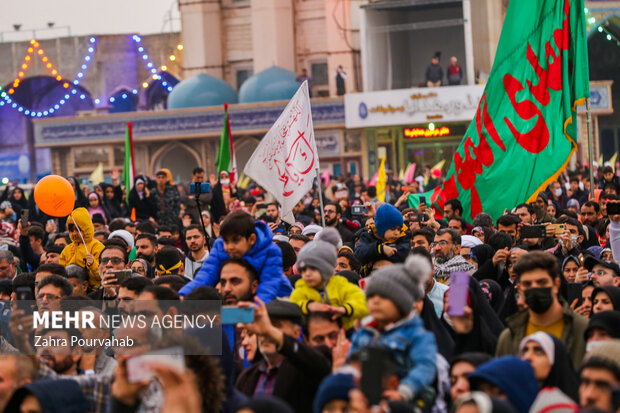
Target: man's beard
(196, 248)
(331, 222)
(246, 297)
(442, 259)
(148, 258)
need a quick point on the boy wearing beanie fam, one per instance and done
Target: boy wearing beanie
(320, 290)
(390, 294)
(386, 239)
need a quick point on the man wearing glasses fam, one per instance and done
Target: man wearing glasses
(112, 258)
(604, 273)
(446, 255)
(333, 215)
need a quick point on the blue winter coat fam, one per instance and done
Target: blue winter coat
(369, 248)
(413, 348)
(265, 257)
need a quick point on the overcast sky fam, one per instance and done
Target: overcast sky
(87, 17)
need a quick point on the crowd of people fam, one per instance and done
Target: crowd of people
(360, 306)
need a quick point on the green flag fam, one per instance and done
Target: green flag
(128, 167)
(225, 159)
(524, 131)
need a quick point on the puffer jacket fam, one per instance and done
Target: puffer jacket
(339, 292)
(265, 257)
(75, 253)
(369, 248)
(412, 347)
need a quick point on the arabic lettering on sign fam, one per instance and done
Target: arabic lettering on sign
(426, 133)
(165, 124)
(327, 143)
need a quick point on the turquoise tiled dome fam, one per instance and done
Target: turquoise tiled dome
(201, 90)
(274, 83)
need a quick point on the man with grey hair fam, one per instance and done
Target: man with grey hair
(8, 269)
(79, 278)
(455, 72)
(446, 255)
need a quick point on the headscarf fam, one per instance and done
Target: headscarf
(612, 292)
(562, 375)
(482, 253)
(484, 403)
(596, 251)
(149, 271)
(493, 293)
(445, 342)
(80, 198)
(486, 327)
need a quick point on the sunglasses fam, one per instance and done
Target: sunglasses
(115, 260)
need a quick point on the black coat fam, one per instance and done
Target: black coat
(298, 378)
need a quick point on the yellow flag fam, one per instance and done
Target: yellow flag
(438, 165)
(401, 175)
(612, 161)
(97, 176)
(381, 180)
(600, 161)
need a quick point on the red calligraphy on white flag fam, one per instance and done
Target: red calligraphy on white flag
(286, 160)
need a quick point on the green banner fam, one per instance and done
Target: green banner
(524, 131)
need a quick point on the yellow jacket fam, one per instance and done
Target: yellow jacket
(75, 253)
(340, 293)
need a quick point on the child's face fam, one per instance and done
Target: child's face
(237, 246)
(74, 234)
(608, 176)
(392, 233)
(312, 277)
(383, 310)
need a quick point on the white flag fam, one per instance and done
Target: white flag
(286, 160)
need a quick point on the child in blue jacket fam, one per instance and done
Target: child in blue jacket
(241, 237)
(390, 294)
(386, 239)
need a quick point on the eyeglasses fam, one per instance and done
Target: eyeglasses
(328, 211)
(599, 272)
(442, 243)
(115, 260)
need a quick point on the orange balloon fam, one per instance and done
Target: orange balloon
(54, 195)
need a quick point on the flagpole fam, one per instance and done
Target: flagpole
(590, 155)
(318, 179)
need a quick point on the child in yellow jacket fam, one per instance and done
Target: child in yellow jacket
(75, 253)
(320, 290)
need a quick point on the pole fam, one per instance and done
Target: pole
(318, 180)
(590, 155)
(204, 229)
(469, 43)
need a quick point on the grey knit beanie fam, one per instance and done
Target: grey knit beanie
(320, 255)
(330, 235)
(401, 283)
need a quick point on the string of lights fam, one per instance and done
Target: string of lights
(150, 65)
(600, 27)
(11, 103)
(33, 50)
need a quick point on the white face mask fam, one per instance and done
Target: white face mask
(575, 240)
(594, 344)
(558, 192)
(225, 181)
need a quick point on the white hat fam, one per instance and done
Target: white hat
(311, 229)
(469, 241)
(124, 235)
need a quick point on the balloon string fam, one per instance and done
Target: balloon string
(79, 232)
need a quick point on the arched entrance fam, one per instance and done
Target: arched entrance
(180, 158)
(244, 148)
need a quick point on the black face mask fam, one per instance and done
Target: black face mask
(538, 299)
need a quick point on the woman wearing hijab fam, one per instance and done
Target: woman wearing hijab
(479, 328)
(112, 198)
(80, 198)
(551, 363)
(482, 403)
(140, 199)
(142, 267)
(570, 266)
(480, 254)
(493, 293)
(95, 207)
(605, 299)
(443, 338)
(18, 200)
(460, 369)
